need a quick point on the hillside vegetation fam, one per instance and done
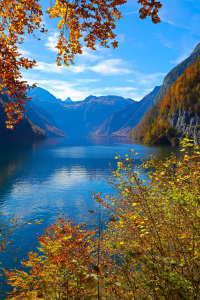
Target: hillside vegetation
(176, 72)
(150, 248)
(158, 126)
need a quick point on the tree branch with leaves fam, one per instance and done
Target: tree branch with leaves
(93, 21)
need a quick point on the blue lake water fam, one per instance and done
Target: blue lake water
(45, 179)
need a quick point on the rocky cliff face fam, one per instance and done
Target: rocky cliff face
(187, 123)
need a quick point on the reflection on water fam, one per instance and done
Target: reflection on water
(45, 179)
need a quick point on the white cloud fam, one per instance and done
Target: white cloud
(181, 57)
(61, 89)
(24, 52)
(123, 89)
(147, 80)
(79, 90)
(85, 80)
(150, 79)
(67, 91)
(111, 67)
(131, 12)
(53, 68)
(52, 42)
(105, 67)
(49, 68)
(78, 68)
(120, 38)
(89, 54)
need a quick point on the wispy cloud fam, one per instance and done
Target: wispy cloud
(85, 80)
(50, 68)
(165, 42)
(24, 52)
(184, 49)
(122, 89)
(61, 89)
(79, 90)
(105, 67)
(182, 15)
(90, 55)
(111, 67)
(131, 12)
(181, 57)
(150, 79)
(147, 80)
(52, 42)
(53, 68)
(120, 38)
(87, 54)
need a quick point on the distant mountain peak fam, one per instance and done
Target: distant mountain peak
(68, 99)
(90, 98)
(42, 94)
(108, 98)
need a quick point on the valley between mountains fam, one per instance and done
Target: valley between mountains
(164, 116)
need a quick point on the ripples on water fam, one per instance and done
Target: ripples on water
(45, 179)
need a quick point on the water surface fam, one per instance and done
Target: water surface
(45, 179)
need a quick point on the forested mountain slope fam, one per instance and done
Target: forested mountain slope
(177, 114)
(176, 72)
(139, 130)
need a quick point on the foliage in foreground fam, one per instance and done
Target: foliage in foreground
(149, 250)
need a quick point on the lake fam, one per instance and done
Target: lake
(54, 177)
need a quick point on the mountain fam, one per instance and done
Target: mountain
(139, 132)
(43, 95)
(122, 121)
(176, 72)
(24, 130)
(177, 115)
(41, 118)
(83, 117)
(68, 99)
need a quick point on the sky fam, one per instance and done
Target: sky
(146, 53)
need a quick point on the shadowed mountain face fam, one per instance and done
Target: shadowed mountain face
(42, 94)
(105, 115)
(41, 118)
(122, 121)
(24, 130)
(83, 117)
(139, 131)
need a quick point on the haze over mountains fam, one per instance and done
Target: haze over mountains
(48, 116)
(105, 115)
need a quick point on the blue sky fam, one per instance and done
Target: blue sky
(145, 54)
